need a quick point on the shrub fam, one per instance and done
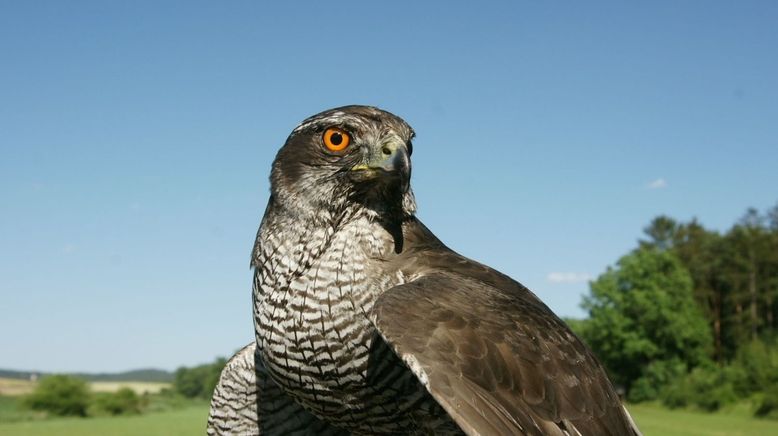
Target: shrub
(655, 377)
(122, 402)
(676, 395)
(767, 406)
(706, 387)
(716, 396)
(756, 365)
(60, 395)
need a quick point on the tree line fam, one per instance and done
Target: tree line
(689, 316)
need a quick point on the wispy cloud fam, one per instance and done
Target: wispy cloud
(568, 277)
(69, 248)
(659, 183)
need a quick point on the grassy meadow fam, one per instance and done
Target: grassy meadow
(653, 420)
(186, 421)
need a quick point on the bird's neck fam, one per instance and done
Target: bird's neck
(292, 248)
(306, 234)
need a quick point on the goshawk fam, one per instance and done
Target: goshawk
(367, 324)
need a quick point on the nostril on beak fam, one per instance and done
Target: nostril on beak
(386, 151)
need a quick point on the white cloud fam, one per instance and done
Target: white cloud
(568, 277)
(657, 184)
(69, 248)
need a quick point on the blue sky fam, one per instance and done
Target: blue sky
(136, 140)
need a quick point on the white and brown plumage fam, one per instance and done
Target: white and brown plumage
(367, 324)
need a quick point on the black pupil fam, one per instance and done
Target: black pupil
(336, 138)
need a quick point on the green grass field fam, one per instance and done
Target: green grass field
(657, 421)
(187, 421)
(653, 421)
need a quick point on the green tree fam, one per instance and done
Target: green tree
(770, 271)
(699, 250)
(60, 395)
(642, 312)
(662, 233)
(746, 268)
(198, 381)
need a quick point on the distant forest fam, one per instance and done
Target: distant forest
(690, 316)
(138, 375)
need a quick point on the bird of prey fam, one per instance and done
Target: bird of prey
(366, 323)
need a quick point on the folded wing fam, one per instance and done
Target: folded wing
(497, 359)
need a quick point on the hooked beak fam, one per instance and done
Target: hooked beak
(390, 159)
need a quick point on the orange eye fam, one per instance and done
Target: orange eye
(336, 139)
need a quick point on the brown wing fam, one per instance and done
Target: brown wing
(496, 358)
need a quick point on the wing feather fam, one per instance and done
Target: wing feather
(497, 359)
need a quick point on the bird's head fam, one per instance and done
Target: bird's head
(345, 158)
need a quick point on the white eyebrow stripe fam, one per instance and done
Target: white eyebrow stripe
(333, 118)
